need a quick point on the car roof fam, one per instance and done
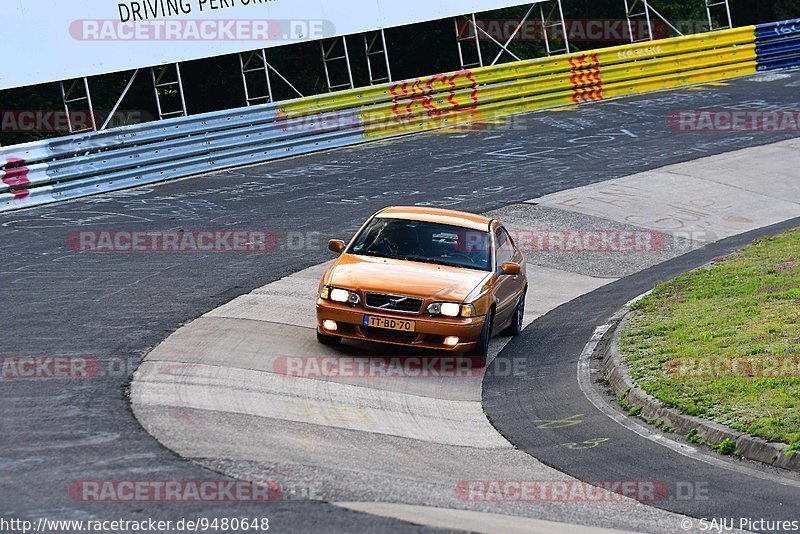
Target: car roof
(436, 215)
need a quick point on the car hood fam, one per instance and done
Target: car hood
(400, 277)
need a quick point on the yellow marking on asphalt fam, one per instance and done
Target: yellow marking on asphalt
(559, 423)
(340, 414)
(588, 444)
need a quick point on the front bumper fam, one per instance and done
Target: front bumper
(430, 331)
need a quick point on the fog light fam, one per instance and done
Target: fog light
(451, 341)
(329, 325)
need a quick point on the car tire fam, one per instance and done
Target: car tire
(515, 327)
(331, 341)
(480, 353)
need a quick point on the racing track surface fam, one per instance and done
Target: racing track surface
(117, 307)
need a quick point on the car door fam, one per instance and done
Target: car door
(507, 288)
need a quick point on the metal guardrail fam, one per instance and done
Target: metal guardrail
(85, 164)
(778, 45)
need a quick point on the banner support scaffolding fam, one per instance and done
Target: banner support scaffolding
(328, 58)
(71, 95)
(169, 89)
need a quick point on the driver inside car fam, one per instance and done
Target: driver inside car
(397, 240)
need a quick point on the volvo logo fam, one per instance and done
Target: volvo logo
(393, 303)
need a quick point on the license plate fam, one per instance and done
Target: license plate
(390, 324)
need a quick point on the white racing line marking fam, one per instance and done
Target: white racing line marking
(634, 425)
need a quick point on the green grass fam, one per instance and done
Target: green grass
(726, 446)
(693, 437)
(743, 308)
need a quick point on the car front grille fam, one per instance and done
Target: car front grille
(379, 334)
(394, 303)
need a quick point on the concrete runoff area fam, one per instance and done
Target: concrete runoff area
(211, 392)
(704, 200)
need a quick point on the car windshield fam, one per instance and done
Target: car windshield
(425, 242)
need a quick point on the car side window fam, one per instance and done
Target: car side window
(505, 247)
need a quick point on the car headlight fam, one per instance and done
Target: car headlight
(449, 309)
(344, 296)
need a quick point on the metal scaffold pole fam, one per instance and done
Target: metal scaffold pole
(168, 88)
(329, 59)
(73, 92)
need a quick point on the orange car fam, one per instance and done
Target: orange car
(427, 278)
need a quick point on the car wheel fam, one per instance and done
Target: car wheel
(328, 340)
(516, 322)
(481, 351)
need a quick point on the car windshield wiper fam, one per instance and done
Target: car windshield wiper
(428, 260)
(377, 255)
(453, 263)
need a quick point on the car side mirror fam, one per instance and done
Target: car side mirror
(511, 269)
(336, 245)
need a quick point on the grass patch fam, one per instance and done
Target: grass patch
(726, 446)
(723, 342)
(694, 437)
